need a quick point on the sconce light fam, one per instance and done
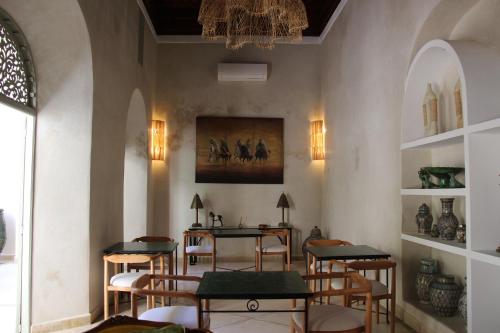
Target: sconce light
(318, 140)
(158, 140)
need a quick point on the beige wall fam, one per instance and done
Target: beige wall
(60, 45)
(188, 87)
(113, 29)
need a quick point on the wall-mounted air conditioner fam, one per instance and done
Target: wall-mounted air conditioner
(242, 72)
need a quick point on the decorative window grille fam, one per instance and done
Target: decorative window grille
(17, 73)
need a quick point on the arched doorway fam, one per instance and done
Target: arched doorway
(135, 171)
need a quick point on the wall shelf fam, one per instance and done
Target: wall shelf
(440, 140)
(442, 192)
(436, 243)
(428, 319)
(485, 126)
(488, 256)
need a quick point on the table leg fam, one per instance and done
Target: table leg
(176, 261)
(320, 281)
(200, 314)
(306, 316)
(162, 270)
(260, 254)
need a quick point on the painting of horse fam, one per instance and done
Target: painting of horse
(239, 150)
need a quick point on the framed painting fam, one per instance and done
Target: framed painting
(239, 150)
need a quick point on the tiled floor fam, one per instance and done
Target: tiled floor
(249, 322)
(8, 289)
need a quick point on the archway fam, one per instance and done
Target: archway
(135, 171)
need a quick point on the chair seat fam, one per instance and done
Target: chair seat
(182, 315)
(378, 288)
(331, 317)
(124, 279)
(199, 249)
(272, 248)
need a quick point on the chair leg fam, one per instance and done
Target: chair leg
(387, 312)
(184, 264)
(106, 304)
(393, 314)
(378, 311)
(292, 326)
(283, 257)
(116, 302)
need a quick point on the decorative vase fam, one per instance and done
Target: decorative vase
(428, 271)
(3, 233)
(447, 223)
(462, 302)
(315, 234)
(444, 294)
(458, 105)
(431, 109)
(434, 231)
(424, 219)
(461, 233)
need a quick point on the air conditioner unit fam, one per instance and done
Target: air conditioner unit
(242, 72)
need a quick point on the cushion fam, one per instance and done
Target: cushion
(331, 317)
(199, 249)
(124, 279)
(183, 315)
(272, 248)
(378, 288)
(166, 329)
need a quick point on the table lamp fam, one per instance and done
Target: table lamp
(283, 203)
(196, 204)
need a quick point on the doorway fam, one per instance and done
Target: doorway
(16, 166)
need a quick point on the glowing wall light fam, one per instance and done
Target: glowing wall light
(318, 140)
(158, 138)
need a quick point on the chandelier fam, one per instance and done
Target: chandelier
(261, 22)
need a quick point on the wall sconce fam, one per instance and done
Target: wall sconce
(158, 139)
(317, 140)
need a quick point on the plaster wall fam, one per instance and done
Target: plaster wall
(60, 45)
(113, 30)
(188, 87)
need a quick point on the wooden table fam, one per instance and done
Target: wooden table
(351, 252)
(252, 287)
(237, 232)
(165, 248)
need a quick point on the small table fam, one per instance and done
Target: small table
(252, 286)
(164, 248)
(351, 252)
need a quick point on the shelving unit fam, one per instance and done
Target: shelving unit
(474, 147)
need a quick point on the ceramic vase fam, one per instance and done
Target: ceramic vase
(462, 302)
(315, 234)
(3, 233)
(424, 219)
(444, 294)
(458, 105)
(431, 111)
(447, 223)
(461, 233)
(428, 271)
(434, 231)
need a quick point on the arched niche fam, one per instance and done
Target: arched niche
(135, 173)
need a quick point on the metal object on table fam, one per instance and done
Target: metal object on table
(252, 287)
(216, 218)
(283, 203)
(196, 204)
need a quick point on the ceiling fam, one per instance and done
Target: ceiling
(180, 17)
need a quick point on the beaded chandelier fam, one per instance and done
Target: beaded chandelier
(261, 22)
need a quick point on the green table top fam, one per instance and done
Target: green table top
(252, 285)
(236, 227)
(236, 233)
(354, 252)
(142, 248)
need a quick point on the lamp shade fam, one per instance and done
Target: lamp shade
(158, 140)
(283, 202)
(196, 204)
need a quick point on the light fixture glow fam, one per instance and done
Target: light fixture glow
(158, 138)
(318, 140)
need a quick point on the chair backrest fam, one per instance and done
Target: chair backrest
(129, 258)
(275, 232)
(153, 239)
(377, 266)
(328, 242)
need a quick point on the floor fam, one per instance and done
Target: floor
(248, 322)
(8, 289)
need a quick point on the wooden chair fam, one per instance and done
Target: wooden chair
(380, 291)
(326, 266)
(282, 249)
(145, 266)
(207, 250)
(185, 315)
(335, 318)
(122, 282)
(125, 324)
